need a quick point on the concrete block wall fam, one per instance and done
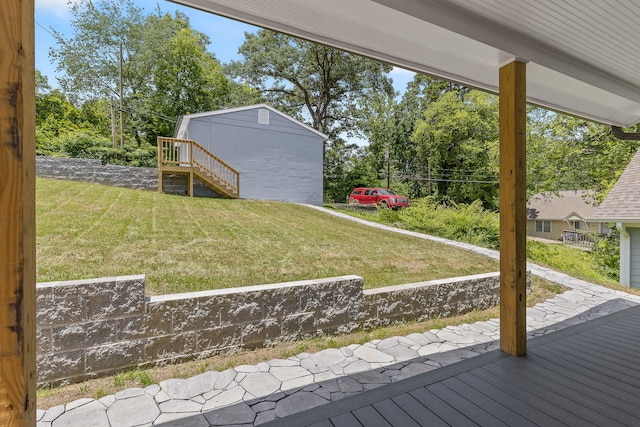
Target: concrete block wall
(426, 300)
(93, 171)
(88, 328)
(93, 328)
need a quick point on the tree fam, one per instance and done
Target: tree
(180, 76)
(389, 123)
(315, 83)
(567, 153)
(166, 68)
(456, 142)
(322, 86)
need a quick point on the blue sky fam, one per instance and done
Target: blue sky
(226, 35)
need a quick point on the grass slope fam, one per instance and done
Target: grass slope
(188, 244)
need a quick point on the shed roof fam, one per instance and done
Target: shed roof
(183, 121)
(623, 201)
(582, 55)
(564, 206)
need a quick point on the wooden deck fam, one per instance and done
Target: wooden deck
(584, 375)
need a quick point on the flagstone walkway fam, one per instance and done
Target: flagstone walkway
(254, 394)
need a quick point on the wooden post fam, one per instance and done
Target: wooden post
(160, 161)
(17, 214)
(513, 174)
(190, 169)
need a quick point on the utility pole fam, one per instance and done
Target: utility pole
(388, 154)
(114, 141)
(121, 103)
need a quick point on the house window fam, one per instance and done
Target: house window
(263, 116)
(543, 226)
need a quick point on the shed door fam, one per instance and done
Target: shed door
(634, 234)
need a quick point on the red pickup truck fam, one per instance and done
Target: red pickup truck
(383, 197)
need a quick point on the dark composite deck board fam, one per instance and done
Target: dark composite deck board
(528, 412)
(584, 375)
(624, 327)
(574, 391)
(417, 411)
(628, 323)
(345, 420)
(394, 414)
(465, 406)
(442, 409)
(621, 341)
(616, 368)
(579, 415)
(599, 385)
(611, 351)
(596, 370)
(368, 416)
(571, 401)
(610, 367)
(487, 402)
(522, 393)
(324, 423)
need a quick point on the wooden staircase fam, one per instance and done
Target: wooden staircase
(186, 157)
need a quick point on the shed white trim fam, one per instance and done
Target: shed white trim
(183, 121)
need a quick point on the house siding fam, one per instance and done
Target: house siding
(634, 277)
(557, 227)
(281, 160)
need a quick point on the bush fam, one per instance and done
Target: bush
(465, 222)
(606, 255)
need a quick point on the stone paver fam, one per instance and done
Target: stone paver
(254, 394)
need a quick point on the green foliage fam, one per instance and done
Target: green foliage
(606, 255)
(573, 261)
(389, 124)
(567, 153)
(166, 68)
(141, 377)
(314, 83)
(457, 143)
(464, 222)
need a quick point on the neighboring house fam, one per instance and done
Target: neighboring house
(277, 157)
(549, 216)
(622, 207)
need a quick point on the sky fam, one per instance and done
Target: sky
(225, 34)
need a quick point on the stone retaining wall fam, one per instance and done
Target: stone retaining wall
(93, 171)
(92, 328)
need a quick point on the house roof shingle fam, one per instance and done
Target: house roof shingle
(560, 207)
(623, 201)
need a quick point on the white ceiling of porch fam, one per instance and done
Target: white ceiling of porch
(583, 56)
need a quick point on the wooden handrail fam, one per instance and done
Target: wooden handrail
(188, 154)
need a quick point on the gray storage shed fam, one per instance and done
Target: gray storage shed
(278, 157)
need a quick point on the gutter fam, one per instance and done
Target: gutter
(625, 136)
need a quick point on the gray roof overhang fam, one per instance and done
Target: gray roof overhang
(582, 55)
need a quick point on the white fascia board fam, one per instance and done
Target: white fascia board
(186, 117)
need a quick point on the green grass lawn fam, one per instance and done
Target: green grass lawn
(445, 223)
(188, 244)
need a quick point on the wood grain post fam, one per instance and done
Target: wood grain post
(191, 166)
(513, 175)
(160, 161)
(17, 214)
